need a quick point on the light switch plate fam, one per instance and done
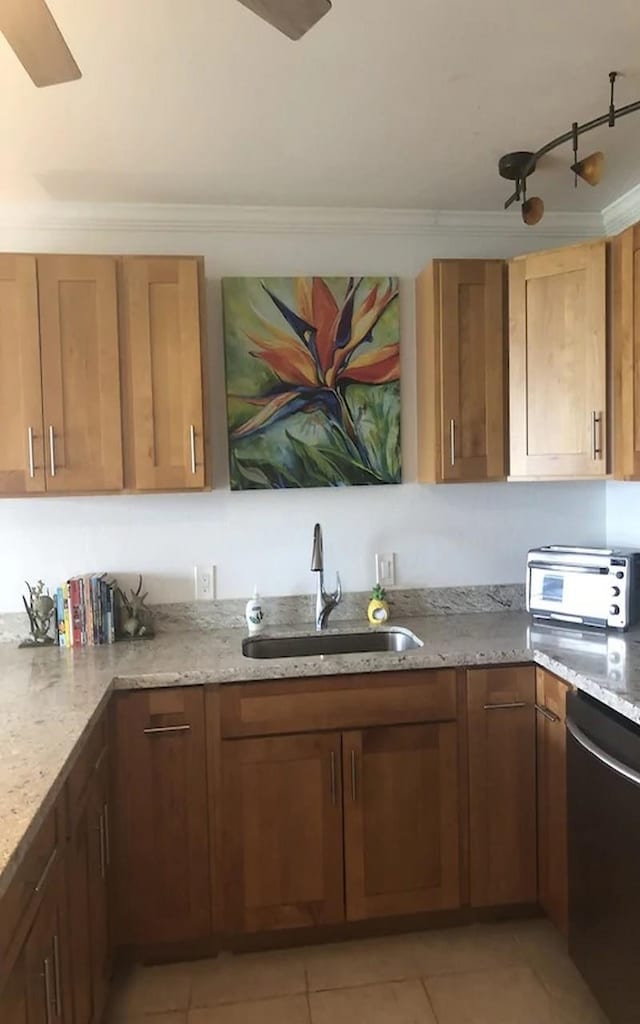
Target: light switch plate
(205, 582)
(386, 569)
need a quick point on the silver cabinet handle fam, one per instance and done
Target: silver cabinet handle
(549, 715)
(333, 778)
(192, 439)
(452, 442)
(45, 871)
(103, 859)
(48, 998)
(32, 464)
(52, 451)
(354, 777)
(596, 449)
(56, 977)
(107, 833)
(166, 728)
(506, 707)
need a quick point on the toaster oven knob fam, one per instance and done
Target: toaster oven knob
(615, 591)
(620, 575)
(614, 609)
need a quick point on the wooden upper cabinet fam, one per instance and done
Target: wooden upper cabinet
(162, 373)
(401, 820)
(557, 362)
(551, 698)
(22, 449)
(460, 308)
(282, 838)
(160, 817)
(502, 785)
(626, 354)
(80, 373)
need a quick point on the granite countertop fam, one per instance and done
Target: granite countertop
(50, 698)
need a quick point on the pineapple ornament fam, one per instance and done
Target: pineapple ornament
(378, 610)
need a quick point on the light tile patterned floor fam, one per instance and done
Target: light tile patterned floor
(515, 973)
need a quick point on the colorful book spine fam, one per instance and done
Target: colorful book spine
(75, 606)
(60, 619)
(68, 630)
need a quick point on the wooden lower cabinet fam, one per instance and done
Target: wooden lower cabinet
(551, 695)
(13, 996)
(282, 809)
(46, 961)
(161, 817)
(502, 785)
(401, 828)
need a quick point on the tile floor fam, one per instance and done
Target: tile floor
(515, 973)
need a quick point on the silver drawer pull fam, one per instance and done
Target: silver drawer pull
(45, 871)
(452, 442)
(192, 439)
(48, 997)
(166, 729)
(32, 464)
(103, 858)
(507, 707)
(549, 715)
(107, 833)
(596, 447)
(52, 451)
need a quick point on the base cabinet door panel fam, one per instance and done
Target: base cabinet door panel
(100, 888)
(161, 825)
(502, 785)
(22, 449)
(80, 921)
(401, 820)
(282, 841)
(46, 958)
(557, 362)
(551, 695)
(13, 996)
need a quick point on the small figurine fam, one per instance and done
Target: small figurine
(378, 610)
(135, 617)
(40, 609)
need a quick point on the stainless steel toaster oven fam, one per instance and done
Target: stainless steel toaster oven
(587, 586)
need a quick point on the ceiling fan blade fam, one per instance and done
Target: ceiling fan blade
(293, 17)
(37, 42)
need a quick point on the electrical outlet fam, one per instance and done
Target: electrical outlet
(386, 569)
(205, 582)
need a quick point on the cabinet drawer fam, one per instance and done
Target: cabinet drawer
(345, 702)
(29, 882)
(80, 776)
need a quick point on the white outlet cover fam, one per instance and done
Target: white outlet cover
(386, 568)
(205, 582)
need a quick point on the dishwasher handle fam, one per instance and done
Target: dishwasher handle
(611, 762)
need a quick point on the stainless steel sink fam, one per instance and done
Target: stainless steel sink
(395, 640)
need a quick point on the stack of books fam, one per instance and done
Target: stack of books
(86, 611)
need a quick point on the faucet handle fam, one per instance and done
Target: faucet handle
(337, 594)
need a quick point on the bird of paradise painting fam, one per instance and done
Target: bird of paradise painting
(313, 381)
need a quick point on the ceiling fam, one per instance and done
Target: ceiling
(386, 103)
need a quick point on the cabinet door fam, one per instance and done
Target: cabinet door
(551, 695)
(461, 371)
(21, 452)
(626, 354)
(401, 820)
(502, 785)
(557, 363)
(282, 810)
(162, 374)
(80, 373)
(13, 996)
(46, 959)
(80, 925)
(99, 887)
(161, 848)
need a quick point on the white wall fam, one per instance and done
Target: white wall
(623, 515)
(442, 535)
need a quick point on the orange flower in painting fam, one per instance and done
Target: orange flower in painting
(326, 346)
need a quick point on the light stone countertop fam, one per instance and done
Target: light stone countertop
(50, 698)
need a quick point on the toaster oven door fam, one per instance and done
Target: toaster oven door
(570, 593)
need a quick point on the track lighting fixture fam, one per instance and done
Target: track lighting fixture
(519, 166)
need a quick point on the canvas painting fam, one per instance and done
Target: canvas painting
(313, 381)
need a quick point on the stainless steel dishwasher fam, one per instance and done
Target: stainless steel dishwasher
(603, 787)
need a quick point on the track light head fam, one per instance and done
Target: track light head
(532, 211)
(591, 168)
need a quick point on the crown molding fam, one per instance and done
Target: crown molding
(622, 212)
(192, 219)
